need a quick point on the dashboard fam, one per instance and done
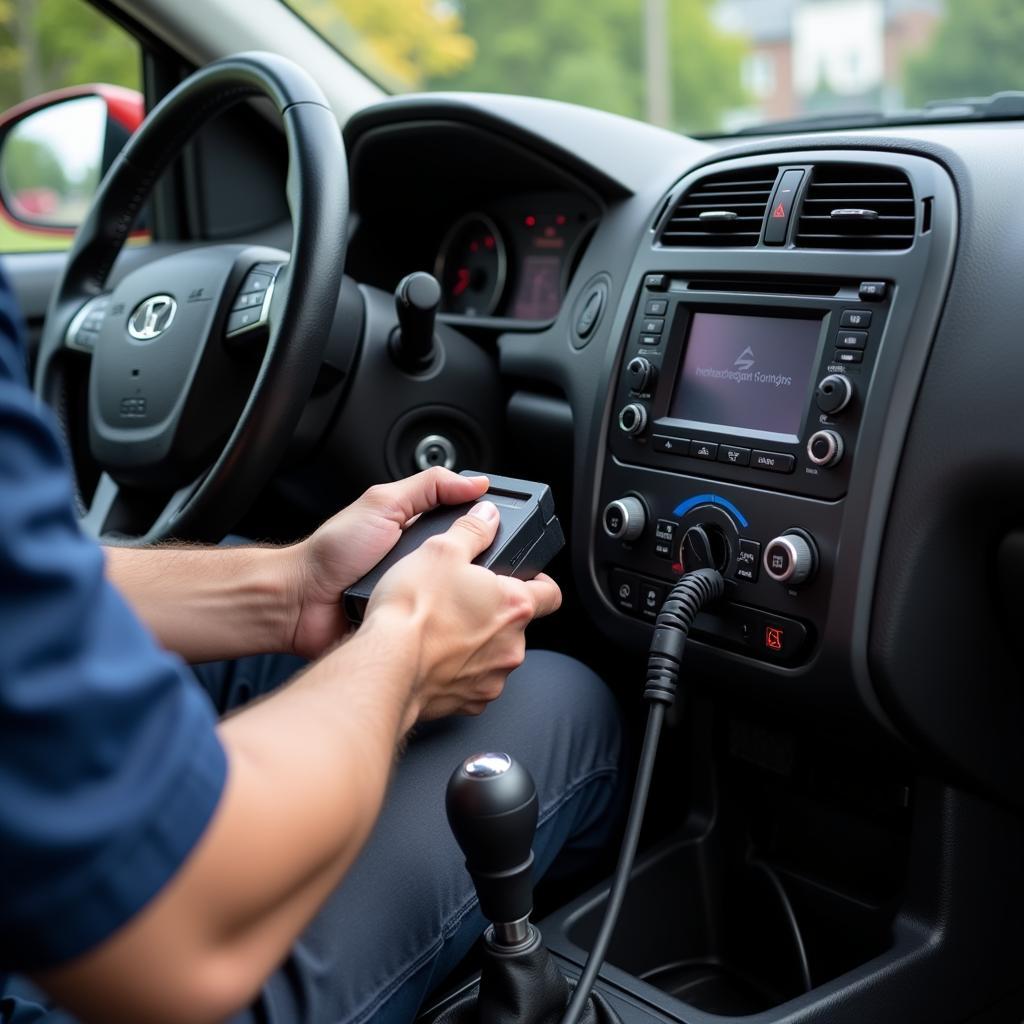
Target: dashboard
(501, 229)
(514, 259)
(788, 370)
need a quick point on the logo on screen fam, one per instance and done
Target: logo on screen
(745, 360)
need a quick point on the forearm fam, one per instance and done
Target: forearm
(210, 603)
(308, 768)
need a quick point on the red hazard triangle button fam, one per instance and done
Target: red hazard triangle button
(779, 211)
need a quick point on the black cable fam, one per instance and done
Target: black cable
(692, 593)
(791, 919)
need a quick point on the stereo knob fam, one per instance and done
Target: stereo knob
(632, 418)
(790, 558)
(625, 518)
(704, 547)
(825, 448)
(833, 393)
(640, 373)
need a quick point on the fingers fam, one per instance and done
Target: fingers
(546, 595)
(406, 498)
(473, 533)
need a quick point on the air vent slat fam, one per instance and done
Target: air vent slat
(884, 190)
(744, 193)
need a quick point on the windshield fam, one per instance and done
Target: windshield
(696, 66)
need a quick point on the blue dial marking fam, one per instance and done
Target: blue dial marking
(711, 499)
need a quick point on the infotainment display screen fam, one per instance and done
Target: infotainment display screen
(743, 372)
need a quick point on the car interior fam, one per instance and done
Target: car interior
(793, 356)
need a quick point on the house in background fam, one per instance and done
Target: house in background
(824, 55)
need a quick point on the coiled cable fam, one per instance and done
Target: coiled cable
(694, 592)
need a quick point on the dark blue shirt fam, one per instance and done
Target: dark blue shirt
(110, 766)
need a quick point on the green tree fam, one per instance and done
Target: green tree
(977, 50)
(399, 42)
(49, 44)
(591, 52)
(31, 164)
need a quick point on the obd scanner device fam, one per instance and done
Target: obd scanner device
(529, 536)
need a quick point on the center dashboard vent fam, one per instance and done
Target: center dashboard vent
(722, 210)
(856, 206)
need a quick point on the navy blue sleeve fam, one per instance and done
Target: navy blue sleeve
(110, 765)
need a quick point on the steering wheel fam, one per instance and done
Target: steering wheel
(201, 361)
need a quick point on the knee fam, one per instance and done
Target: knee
(569, 706)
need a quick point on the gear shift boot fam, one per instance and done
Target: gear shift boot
(524, 987)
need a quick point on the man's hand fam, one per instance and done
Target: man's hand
(350, 544)
(469, 622)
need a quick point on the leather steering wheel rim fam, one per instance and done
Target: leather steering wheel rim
(317, 197)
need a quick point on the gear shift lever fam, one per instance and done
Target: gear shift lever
(492, 809)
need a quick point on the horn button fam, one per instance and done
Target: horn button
(162, 396)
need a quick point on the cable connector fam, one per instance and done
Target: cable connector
(691, 595)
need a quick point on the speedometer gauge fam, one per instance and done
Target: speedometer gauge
(471, 266)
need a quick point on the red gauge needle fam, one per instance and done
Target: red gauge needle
(461, 281)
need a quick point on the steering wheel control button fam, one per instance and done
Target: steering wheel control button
(849, 355)
(625, 589)
(748, 561)
(653, 325)
(825, 448)
(664, 538)
(656, 307)
(257, 281)
(248, 300)
(872, 291)
(860, 318)
(640, 373)
(625, 518)
(734, 456)
(670, 445)
(632, 419)
(833, 393)
(773, 462)
(851, 339)
(251, 308)
(244, 318)
(434, 450)
(790, 559)
(84, 329)
(656, 282)
(652, 597)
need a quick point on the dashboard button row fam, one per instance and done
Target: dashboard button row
(733, 455)
(750, 630)
(855, 318)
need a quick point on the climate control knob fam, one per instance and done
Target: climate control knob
(833, 393)
(825, 448)
(625, 518)
(632, 418)
(640, 373)
(791, 558)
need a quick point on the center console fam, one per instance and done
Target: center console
(732, 405)
(766, 364)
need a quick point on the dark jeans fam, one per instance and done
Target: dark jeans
(406, 913)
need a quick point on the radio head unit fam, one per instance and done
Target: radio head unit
(756, 388)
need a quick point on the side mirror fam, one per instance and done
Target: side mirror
(55, 149)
